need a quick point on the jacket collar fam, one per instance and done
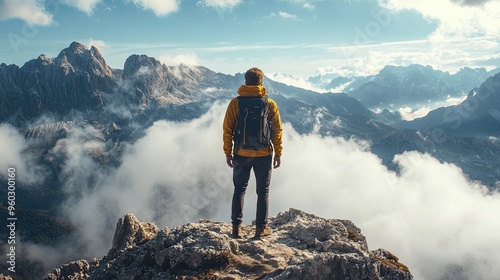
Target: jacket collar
(252, 91)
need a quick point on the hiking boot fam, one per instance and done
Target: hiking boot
(260, 232)
(236, 231)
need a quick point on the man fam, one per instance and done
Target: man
(242, 157)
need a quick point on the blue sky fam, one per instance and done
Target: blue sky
(297, 37)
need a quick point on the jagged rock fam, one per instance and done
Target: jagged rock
(302, 246)
(131, 233)
(155, 83)
(79, 79)
(76, 79)
(76, 270)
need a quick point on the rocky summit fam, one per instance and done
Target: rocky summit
(301, 246)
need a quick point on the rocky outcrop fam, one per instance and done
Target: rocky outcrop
(74, 270)
(151, 81)
(156, 84)
(302, 246)
(131, 233)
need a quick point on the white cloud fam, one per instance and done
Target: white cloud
(466, 35)
(220, 4)
(470, 19)
(99, 44)
(34, 13)
(285, 15)
(349, 58)
(408, 113)
(293, 81)
(12, 155)
(436, 221)
(82, 150)
(159, 7)
(86, 6)
(178, 59)
(304, 3)
(143, 71)
(450, 55)
(170, 176)
(10, 150)
(29, 11)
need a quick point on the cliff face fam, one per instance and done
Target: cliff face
(302, 246)
(79, 79)
(154, 83)
(75, 79)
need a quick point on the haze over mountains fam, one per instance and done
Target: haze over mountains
(92, 142)
(413, 86)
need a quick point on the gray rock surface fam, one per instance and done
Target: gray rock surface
(302, 246)
(75, 80)
(131, 233)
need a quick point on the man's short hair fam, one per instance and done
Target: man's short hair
(254, 76)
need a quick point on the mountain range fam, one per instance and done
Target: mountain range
(477, 115)
(47, 99)
(412, 86)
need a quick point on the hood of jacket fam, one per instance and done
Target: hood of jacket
(252, 91)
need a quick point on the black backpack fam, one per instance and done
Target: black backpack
(253, 131)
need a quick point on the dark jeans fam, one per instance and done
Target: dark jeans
(241, 174)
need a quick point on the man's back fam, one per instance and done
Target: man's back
(253, 124)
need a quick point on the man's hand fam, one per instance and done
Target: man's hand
(277, 162)
(229, 161)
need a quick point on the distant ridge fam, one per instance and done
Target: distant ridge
(414, 85)
(76, 79)
(477, 115)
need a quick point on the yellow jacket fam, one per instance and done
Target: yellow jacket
(230, 121)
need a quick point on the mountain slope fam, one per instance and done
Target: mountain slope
(478, 115)
(76, 79)
(150, 80)
(477, 157)
(414, 86)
